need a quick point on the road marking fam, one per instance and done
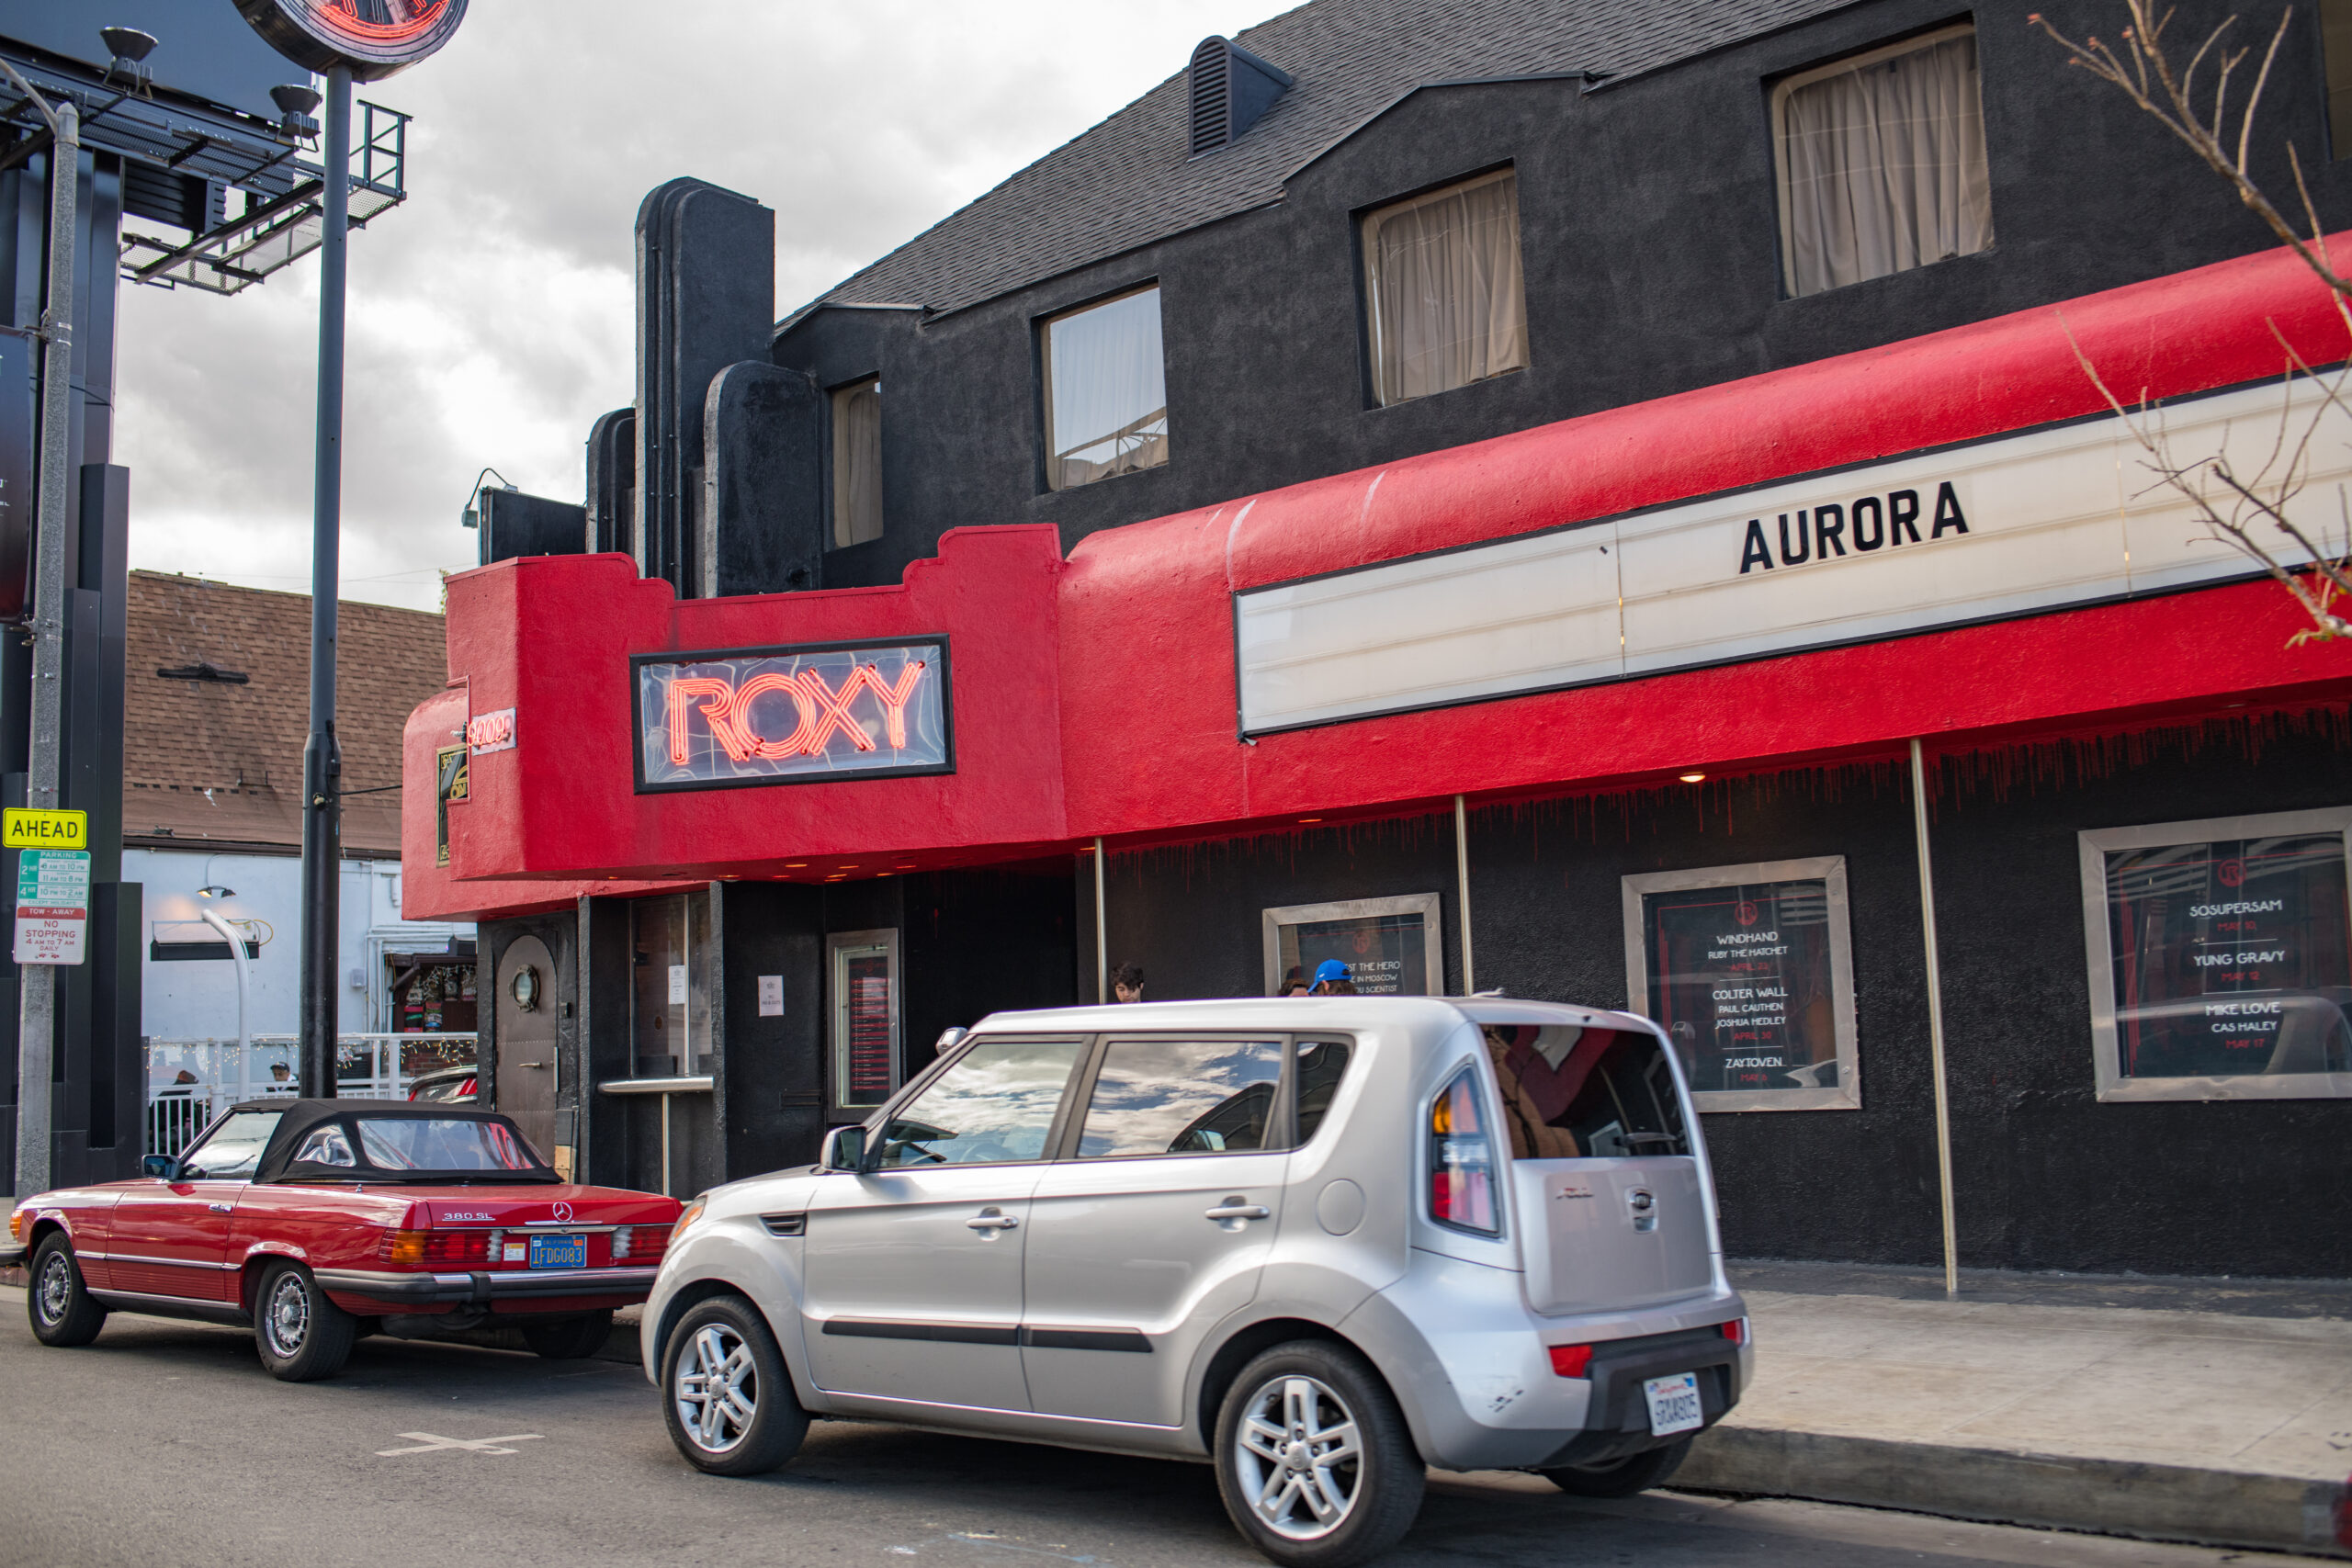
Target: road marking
(427, 1443)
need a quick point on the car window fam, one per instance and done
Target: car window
(326, 1145)
(1182, 1097)
(1321, 1064)
(996, 1104)
(419, 1142)
(234, 1148)
(1571, 1093)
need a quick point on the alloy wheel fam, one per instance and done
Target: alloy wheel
(718, 1390)
(286, 1319)
(1300, 1457)
(56, 1287)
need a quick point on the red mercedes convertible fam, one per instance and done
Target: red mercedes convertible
(317, 1221)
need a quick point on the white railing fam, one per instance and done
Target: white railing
(191, 1081)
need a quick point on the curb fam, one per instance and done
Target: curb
(2152, 1502)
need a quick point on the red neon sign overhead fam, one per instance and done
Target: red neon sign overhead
(787, 715)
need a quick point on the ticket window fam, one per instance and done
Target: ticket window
(866, 1055)
(670, 1015)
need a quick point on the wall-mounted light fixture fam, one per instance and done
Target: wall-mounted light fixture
(471, 516)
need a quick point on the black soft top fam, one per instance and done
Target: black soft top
(297, 1117)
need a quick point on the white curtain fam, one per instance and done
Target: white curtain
(1884, 167)
(1106, 391)
(1444, 290)
(858, 464)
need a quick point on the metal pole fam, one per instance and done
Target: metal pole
(235, 939)
(1935, 1018)
(1461, 890)
(1102, 934)
(666, 1145)
(322, 764)
(37, 1012)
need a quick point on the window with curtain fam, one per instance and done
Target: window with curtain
(1882, 162)
(1444, 300)
(1106, 391)
(2336, 50)
(857, 462)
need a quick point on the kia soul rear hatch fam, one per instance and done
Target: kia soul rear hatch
(1611, 1204)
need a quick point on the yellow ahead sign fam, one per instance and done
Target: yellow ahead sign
(26, 828)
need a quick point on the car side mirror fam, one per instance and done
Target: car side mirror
(845, 1150)
(163, 1165)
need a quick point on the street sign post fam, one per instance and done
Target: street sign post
(52, 905)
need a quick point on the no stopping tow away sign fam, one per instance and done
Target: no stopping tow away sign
(52, 905)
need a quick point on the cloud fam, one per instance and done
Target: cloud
(490, 315)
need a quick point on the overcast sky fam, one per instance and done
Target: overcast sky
(490, 314)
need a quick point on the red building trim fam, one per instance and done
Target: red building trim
(1096, 696)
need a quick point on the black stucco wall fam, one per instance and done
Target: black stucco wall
(2045, 1176)
(1650, 234)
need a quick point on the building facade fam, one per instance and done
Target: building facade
(218, 698)
(1596, 505)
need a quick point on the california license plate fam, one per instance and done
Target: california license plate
(1674, 1404)
(567, 1252)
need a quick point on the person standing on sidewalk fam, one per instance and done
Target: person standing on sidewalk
(1331, 979)
(1127, 983)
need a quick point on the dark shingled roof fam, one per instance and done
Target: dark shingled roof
(1128, 182)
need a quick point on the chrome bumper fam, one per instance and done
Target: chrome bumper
(11, 1254)
(483, 1286)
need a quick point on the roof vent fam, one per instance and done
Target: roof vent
(1231, 88)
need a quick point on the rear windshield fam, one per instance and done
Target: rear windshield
(1571, 1093)
(416, 1143)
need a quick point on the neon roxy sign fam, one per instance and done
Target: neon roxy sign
(802, 714)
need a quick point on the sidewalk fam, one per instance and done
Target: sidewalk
(2211, 1411)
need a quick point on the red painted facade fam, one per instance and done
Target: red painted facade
(1095, 696)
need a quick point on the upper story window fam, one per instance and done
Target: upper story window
(2336, 50)
(1444, 300)
(857, 462)
(1106, 391)
(1882, 162)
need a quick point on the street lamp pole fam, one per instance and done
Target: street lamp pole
(36, 996)
(322, 761)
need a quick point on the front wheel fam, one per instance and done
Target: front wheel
(1620, 1477)
(302, 1336)
(726, 1396)
(569, 1338)
(61, 1306)
(1313, 1458)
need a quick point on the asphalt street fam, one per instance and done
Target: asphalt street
(165, 1442)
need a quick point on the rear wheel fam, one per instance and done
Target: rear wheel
(569, 1338)
(1313, 1458)
(60, 1305)
(1620, 1477)
(302, 1336)
(726, 1394)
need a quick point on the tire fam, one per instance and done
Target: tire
(725, 1392)
(569, 1338)
(1325, 1510)
(1620, 1477)
(302, 1337)
(62, 1313)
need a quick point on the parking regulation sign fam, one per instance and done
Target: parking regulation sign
(53, 906)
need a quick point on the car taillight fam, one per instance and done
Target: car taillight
(640, 1243)
(425, 1249)
(1572, 1360)
(1462, 1160)
(1736, 1331)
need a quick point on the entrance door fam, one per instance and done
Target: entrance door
(527, 1040)
(912, 1271)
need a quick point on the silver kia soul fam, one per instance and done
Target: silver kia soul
(1323, 1242)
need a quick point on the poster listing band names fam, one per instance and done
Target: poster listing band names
(2230, 956)
(1740, 980)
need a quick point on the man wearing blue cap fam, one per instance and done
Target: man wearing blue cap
(1331, 981)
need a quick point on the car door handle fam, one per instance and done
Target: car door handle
(1235, 1208)
(218, 1208)
(990, 1220)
